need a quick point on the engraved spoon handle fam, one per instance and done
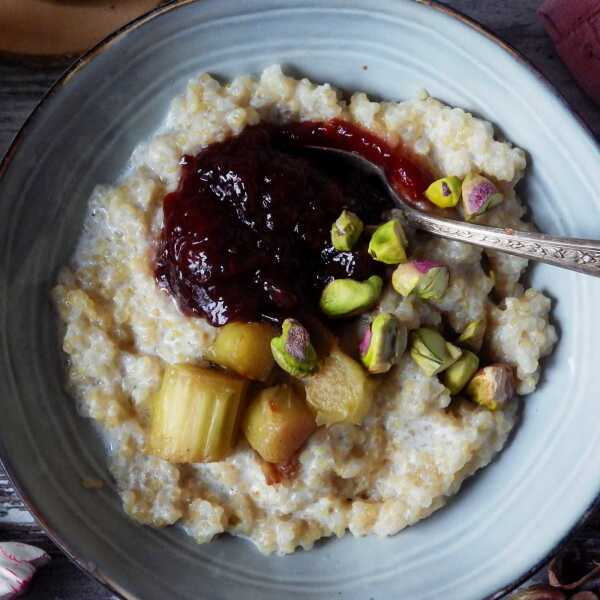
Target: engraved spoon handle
(575, 254)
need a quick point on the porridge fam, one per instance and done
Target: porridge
(268, 349)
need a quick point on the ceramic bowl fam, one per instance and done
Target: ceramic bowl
(508, 517)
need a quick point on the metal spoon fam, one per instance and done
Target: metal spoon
(574, 254)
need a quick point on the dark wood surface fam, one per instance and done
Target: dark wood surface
(22, 84)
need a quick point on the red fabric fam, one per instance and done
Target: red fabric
(574, 26)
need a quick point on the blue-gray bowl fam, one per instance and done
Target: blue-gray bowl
(511, 515)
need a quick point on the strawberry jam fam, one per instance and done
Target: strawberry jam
(246, 235)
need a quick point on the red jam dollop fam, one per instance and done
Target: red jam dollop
(246, 235)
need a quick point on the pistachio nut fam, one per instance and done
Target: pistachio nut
(406, 277)
(492, 386)
(472, 335)
(479, 194)
(431, 351)
(345, 231)
(459, 374)
(434, 283)
(444, 192)
(347, 297)
(383, 343)
(293, 351)
(427, 278)
(388, 243)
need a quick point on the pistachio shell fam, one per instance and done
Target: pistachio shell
(383, 342)
(444, 192)
(345, 231)
(347, 297)
(388, 243)
(479, 194)
(293, 351)
(460, 373)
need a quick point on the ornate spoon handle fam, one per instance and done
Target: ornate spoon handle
(570, 253)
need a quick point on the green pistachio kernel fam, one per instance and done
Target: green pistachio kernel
(293, 351)
(388, 243)
(479, 194)
(406, 277)
(383, 343)
(492, 386)
(434, 283)
(459, 374)
(347, 297)
(444, 192)
(472, 335)
(427, 278)
(345, 231)
(431, 351)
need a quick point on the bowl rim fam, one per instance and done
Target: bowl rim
(81, 63)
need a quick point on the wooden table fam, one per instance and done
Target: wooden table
(23, 82)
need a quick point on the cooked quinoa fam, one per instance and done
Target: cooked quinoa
(413, 450)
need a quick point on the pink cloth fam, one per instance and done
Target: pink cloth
(574, 26)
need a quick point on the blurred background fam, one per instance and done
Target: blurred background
(53, 27)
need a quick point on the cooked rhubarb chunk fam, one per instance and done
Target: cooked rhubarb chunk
(341, 391)
(244, 348)
(277, 423)
(195, 414)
